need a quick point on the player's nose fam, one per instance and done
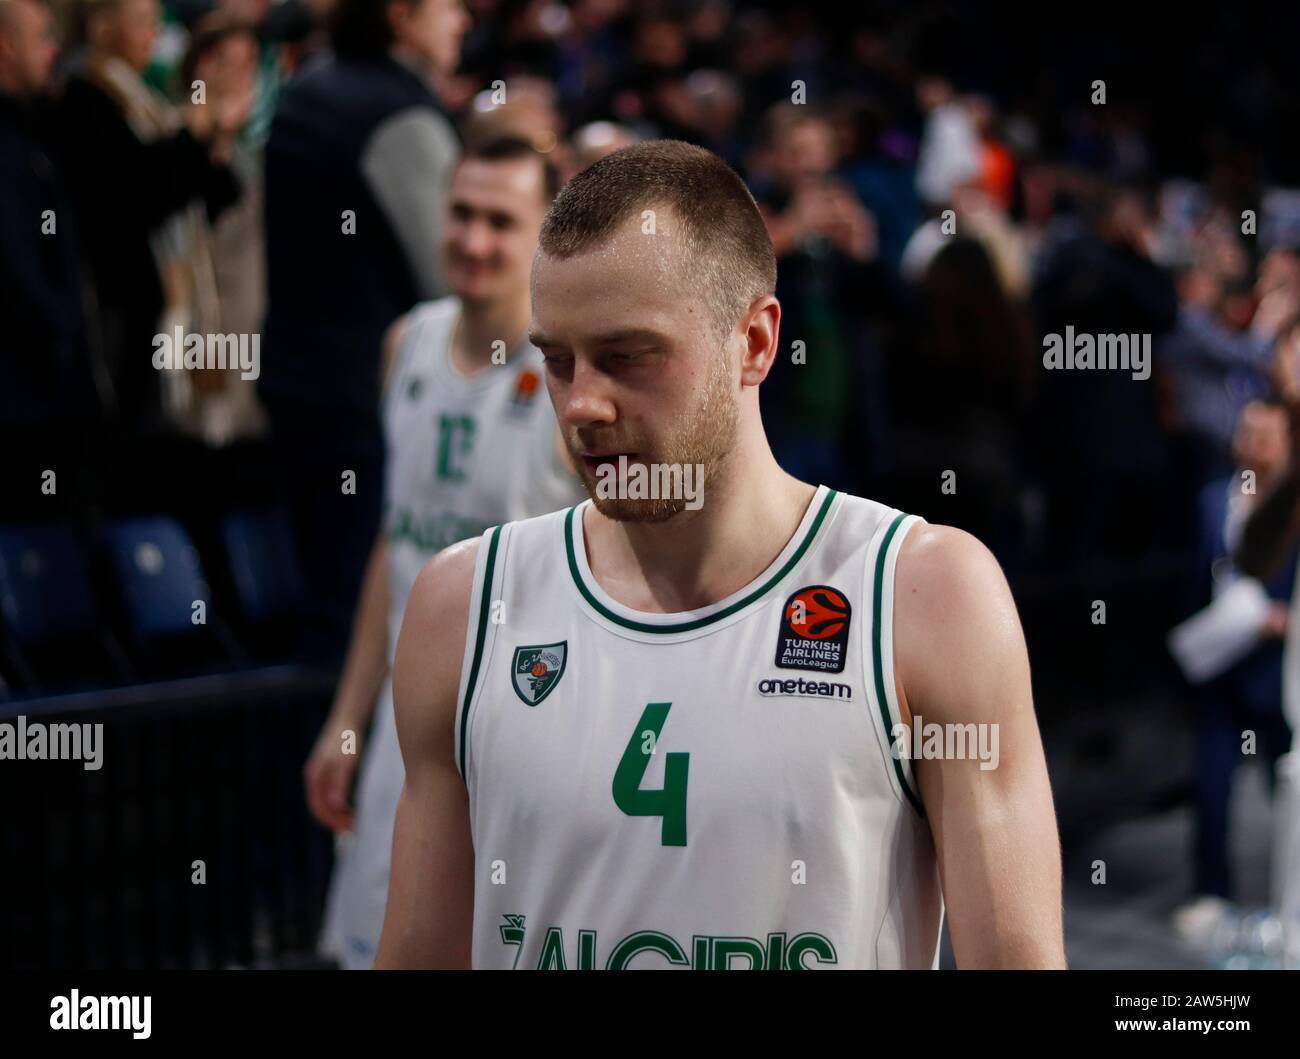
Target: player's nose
(587, 398)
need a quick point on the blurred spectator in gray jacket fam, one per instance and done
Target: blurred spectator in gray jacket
(357, 170)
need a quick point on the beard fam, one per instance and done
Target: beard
(701, 437)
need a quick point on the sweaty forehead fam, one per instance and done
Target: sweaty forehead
(635, 278)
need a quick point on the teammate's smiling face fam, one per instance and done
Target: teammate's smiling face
(634, 361)
(494, 213)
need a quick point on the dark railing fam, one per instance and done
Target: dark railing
(99, 866)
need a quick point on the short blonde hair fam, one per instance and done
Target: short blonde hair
(728, 253)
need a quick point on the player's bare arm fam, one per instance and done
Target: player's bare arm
(329, 772)
(431, 891)
(960, 658)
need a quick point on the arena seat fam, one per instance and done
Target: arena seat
(54, 638)
(166, 598)
(265, 574)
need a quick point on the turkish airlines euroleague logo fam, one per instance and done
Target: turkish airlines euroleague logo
(814, 630)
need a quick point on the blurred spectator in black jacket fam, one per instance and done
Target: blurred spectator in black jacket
(357, 169)
(46, 389)
(1099, 442)
(883, 178)
(960, 395)
(146, 179)
(823, 401)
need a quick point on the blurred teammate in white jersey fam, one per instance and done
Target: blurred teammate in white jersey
(472, 443)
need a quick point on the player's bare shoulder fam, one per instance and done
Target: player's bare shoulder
(942, 569)
(954, 615)
(426, 672)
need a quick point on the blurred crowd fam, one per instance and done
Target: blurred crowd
(250, 167)
(276, 169)
(939, 195)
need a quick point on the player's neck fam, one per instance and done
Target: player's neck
(699, 557)
(481, 329)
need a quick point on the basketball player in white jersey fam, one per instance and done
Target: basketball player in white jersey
(472, 441)
(658, 733)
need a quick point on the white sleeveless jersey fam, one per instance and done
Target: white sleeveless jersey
(464, 452)
(708, 789)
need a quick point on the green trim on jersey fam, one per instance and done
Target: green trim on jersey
(480, 636)
(694, 623)
(877, 658)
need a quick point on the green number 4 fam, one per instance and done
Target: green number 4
(668, 801)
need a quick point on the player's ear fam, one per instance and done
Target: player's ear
(761, 329)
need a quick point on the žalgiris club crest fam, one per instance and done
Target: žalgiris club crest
(538, 669)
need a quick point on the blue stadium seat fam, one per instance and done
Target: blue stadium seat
(160, 575)
(53, 637)
(45, 593)
(263, 566)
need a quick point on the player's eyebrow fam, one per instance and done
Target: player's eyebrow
(622, 334)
